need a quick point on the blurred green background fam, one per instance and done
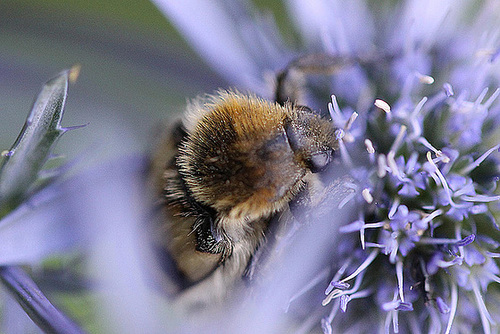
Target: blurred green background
(136, 69)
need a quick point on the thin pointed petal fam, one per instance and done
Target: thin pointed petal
(32, 148)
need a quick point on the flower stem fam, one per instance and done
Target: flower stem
(45, 315)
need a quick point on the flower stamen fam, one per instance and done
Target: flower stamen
(479, 160)
(381, 104)
(359, 271)
(480, 198)
(345, 299)
(425, 79)
(350, 121)
(381, 166)
(399, 274)
(480, 98)
(486, 319)
(369, 146)
(454, 304)
(335, 280)
(444, 241)
(363, 266)
(334, 108)
(444, 183)
(448, 89)
(428, 145)
(394, 208)
(432, 215)
(340, 292)
(367, 196)
(493, 255)
(414, 120)
(492, 99)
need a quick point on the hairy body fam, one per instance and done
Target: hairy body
(223, 175)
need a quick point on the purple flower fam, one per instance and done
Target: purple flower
(422, 152)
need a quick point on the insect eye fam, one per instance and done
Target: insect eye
(305, 108)
(319, 161)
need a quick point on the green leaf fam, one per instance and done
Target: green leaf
(23, 162)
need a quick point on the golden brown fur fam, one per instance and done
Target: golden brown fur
(236, 161)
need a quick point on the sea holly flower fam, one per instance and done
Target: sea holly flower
(437, 220)
(417, 108)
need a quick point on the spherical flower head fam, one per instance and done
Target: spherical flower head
(418, 111)
(430, 214)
